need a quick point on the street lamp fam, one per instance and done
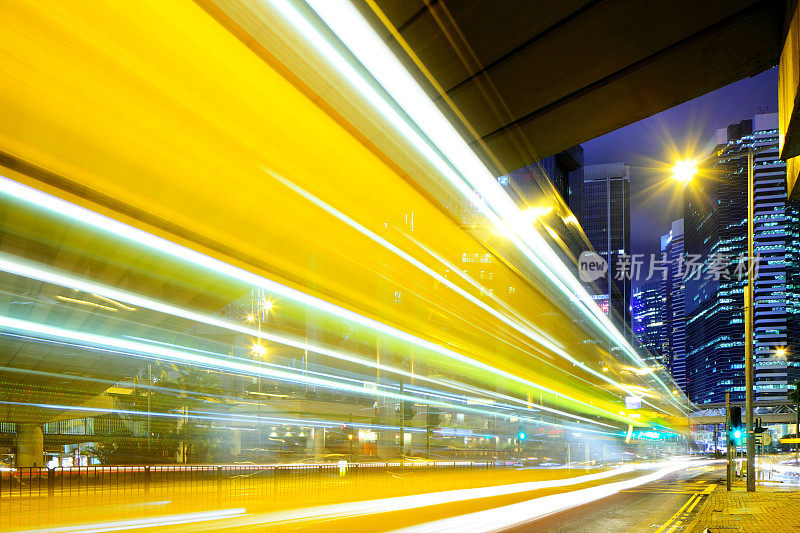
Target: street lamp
(684, 171)
(780, 352)
(258, 350)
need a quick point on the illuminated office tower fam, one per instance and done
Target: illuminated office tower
(673, 333)
(606, 221)
(647, 309)
(716, 227)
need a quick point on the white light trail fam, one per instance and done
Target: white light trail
(85, 216)
(501, 518)
(14, 265)
(520, 325)
(159, 352)
(416, 501)
(139, 523)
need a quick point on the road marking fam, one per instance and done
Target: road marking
(656, 491)
(685, 511)
(675, 526)
(676, 515)
(689, 510)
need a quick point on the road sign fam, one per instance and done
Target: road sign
(765, 439)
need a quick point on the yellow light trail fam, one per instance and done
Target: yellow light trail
(185, 120)
(355, 32)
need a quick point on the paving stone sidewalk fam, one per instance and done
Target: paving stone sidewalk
(770, 509)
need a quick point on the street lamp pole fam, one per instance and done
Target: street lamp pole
(748, 333)
(684, 171)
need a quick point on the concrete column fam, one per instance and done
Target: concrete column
(315, 444)
(386, 446)
(30, 445)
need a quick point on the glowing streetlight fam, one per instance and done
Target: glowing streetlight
(780, 352)
(258, 350)
(685, 170)
(251, 318)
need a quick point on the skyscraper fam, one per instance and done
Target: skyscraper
(647, 318)
(606, 221)
(716, 232)
(564, 171)
(545, 185)
(673, 333)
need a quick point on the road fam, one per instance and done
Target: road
(656, 498)
(667, 506)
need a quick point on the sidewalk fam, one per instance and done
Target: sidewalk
(771, 509)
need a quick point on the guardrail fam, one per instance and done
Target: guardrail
(41, 481)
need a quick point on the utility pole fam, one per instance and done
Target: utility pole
(402, 423)
(149, 391)
(728, 440)
(715, 440)
(748, 332)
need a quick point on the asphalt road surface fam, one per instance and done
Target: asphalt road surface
(666, 506)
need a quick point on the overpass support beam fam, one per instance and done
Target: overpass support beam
(315, 444)
(30, 445)
(789, 99)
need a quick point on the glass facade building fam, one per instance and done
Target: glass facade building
(673, 337)
(606, 221)
(647, 318)
(716, 233)
(563, 171)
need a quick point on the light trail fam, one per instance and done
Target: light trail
(350, 27)
(501, 518)
(154, 351)
(525, 329)
(233, 417)
(135, 235)
(14, 265)
(523, 326)
(490, 520)
(140, 523)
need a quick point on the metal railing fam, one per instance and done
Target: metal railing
(41, 481)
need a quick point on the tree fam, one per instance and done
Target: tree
(794, 397)
(198, 440)
(172, 429)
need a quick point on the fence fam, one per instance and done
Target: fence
(39, 482)
(48, 498)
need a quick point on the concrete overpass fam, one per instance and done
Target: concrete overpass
(530, 79)
(768, 412)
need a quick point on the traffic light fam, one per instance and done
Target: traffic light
(521, 435)
(736, 429)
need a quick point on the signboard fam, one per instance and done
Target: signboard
(633, 402)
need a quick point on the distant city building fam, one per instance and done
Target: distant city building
(550, 185)
(647, 319)
(673, 333)
(606, 221)
(564, 171)
(715, 212)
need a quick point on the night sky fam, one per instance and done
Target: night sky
(650, 144)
